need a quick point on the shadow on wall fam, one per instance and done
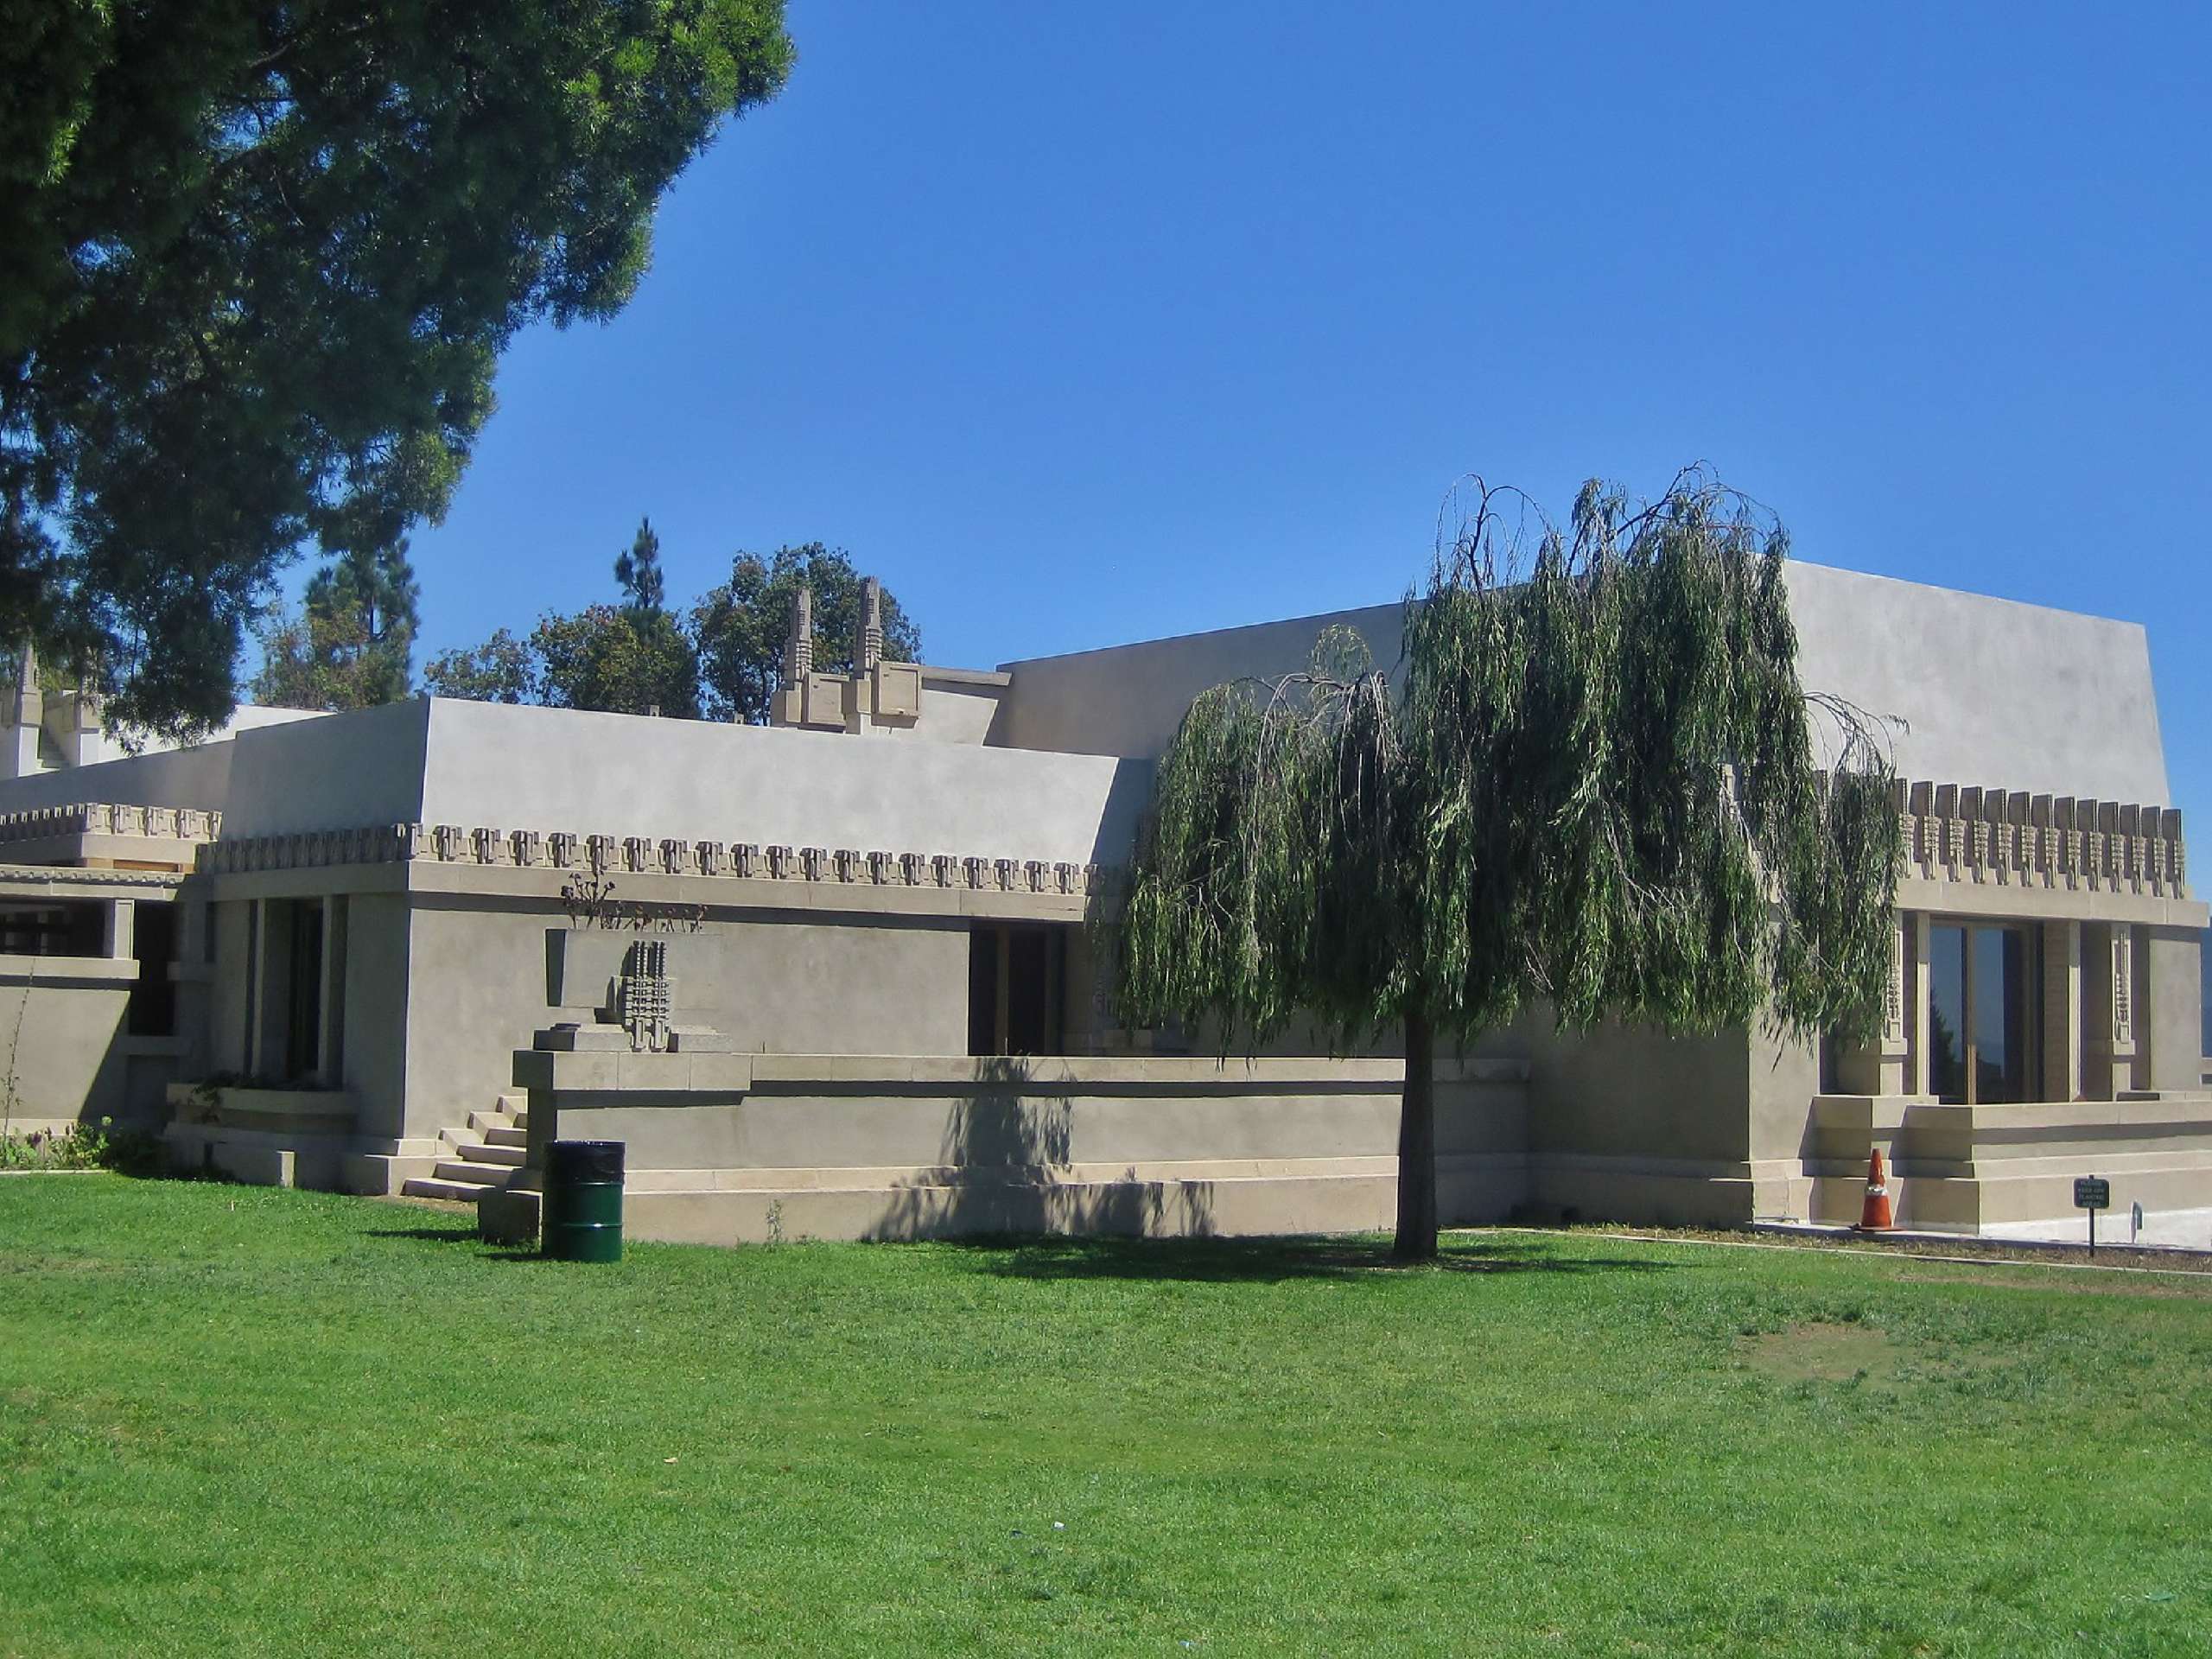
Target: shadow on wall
(1004, 1169)
(1126, 798)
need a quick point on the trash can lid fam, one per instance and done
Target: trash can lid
(583, 1160)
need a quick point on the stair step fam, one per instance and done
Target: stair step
(477, 1175)
(430, 1187)
(476, 1152)
(484, 1122)
(507, 1137)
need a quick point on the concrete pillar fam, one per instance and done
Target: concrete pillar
(121, 940)
(2061, 1011)
(2109, 1009)
(1883, 1066)
(1917, 1061)
(330, 1045)
(265, 1003)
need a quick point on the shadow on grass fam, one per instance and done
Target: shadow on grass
(1227, 1260)
(435, 1235)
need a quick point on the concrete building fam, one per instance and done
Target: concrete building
(832, 976)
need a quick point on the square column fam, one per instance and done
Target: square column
(2108, 1010)
(1916, 1073)
(2061, 1011)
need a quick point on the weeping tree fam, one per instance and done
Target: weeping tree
(1591, 785)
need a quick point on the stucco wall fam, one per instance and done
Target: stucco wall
(480, 980)
(62, 1024)
(558, 769)
(232, 922)
(1994, 692)
(1627, 1093)
(2172, 1006)
(377, 975)
(347, 771)
(197, 778)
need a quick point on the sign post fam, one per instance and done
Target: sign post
(2092, 1193)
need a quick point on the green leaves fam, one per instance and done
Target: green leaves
(257, 265)
(1596, 789)
(739, 626)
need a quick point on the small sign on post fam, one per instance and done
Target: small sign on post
(2092, 1193)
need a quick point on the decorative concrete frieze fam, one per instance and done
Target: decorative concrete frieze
(1966, 833)
(783, 864)
(601, 854)
(490, 846)
(849, 866)
(711, 857)
(814, 863)
(110, 818)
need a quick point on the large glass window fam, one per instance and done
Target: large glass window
(1981, 1008)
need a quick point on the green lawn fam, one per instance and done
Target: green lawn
(236, 1419)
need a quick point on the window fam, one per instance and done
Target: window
(153, 994)
(71, 929)
(1981, 1007)
(1017, 974)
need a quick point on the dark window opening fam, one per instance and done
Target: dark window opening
(153, 994)
(303, 991)
(58, 930)
(1017, 977)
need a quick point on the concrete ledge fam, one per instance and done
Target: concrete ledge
(119, 972)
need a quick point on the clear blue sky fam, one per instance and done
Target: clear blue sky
(1081, 325)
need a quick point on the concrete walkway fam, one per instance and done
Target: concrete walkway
(2183, 1230)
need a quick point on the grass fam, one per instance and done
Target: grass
(241, 1420)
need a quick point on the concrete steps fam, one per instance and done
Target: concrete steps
(478, 1159)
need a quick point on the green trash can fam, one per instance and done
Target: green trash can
(583, 1201)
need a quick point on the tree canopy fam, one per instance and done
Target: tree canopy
(1590, 784)
(258, 262)
(740, 626)
(352, 644)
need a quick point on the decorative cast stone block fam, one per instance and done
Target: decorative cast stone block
(898, 690)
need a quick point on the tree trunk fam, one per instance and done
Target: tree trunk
(1417, 1146)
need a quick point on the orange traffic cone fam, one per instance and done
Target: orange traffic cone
(1874, 1215)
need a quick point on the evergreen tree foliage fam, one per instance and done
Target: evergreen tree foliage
(636, 571)
(352, 646)
(258, 262)
(1591, 786)
(740, 626)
